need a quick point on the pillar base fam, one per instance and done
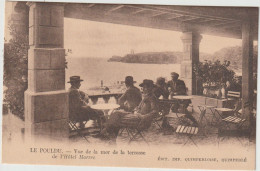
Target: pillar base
(46, 114)
(50, 131)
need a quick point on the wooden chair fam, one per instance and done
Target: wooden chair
(75, 127)
(188, 131)
(231, 97)
(203, 109)
(164, 109)
(233, 126)
(172, 114)
(135, 126)
(157, 119)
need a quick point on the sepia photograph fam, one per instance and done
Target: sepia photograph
(130, 85)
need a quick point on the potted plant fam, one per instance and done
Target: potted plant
(213, 76)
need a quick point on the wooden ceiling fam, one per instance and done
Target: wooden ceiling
(219, 21)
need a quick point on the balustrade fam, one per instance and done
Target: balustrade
(106, 97)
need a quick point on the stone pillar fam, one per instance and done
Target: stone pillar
(247, 69)
(191, 42)
(46, 100)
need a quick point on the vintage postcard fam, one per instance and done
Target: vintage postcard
(130, 85)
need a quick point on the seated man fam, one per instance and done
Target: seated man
(178, 87)
(148, 108)
(132, 96)
(161, 88)
(78, 104)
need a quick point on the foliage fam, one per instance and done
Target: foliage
(15, 71)
(214, 73)
(67, 52)
(232, 54)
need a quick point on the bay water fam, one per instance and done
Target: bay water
(95, 70)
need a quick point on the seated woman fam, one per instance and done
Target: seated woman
(148, 108)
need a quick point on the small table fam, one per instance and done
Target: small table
(180, 98)
(172, 102)
(106, 96)
(107, 108)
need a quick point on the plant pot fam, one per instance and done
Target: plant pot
(205, 91)
(223, 92)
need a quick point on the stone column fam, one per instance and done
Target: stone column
(191, 41)
(46, 100)
(247, 69)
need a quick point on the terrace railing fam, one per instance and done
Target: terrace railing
(105, 96)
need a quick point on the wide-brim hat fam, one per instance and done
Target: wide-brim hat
(75, 79)
(129, 80)
(148, 83)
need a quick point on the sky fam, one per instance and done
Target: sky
(97, 39)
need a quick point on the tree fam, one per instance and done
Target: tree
(16, 71)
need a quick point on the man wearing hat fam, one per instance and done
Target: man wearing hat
(178, 87)
(146, 110)
(161, 88)
(78, 104)
(132, 96)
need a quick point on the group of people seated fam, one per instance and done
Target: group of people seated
(134, 104)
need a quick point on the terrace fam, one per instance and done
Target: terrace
(44, 24)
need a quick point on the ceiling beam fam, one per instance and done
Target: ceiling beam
(115, 8)
(96, 14)
(220, 24)
(199, 11)
(91, 5)
(207, 20)
(174, 17)
(141, 9)
(190, 19)
(237, 25)
(158, 14)
(138, 11)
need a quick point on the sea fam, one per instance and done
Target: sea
(96, 70)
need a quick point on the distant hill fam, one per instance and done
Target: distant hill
(232, 54)
(150, 58)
